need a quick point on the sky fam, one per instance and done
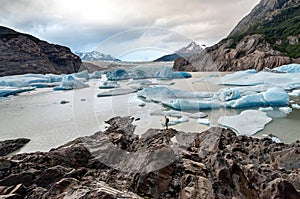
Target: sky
(135, 30)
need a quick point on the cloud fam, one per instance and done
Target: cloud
(83, 25)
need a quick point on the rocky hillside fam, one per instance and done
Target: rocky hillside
(159, 164)
(22, 53)
(267, 37)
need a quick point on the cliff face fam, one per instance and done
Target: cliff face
(22, 53)
(267, 37)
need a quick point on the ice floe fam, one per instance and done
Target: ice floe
(204, 121)
(118, 91)
(286, 110)
(295, 106)
(247, 122)
(273, 138)
(109, 85)
(9, 90)
(174, 113)
(295, 93)
(266, 109)
(174, 121)
(290, 68)
(59, 82)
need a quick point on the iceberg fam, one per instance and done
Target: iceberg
(163, 92)
(265, 109)
(174, 113)
(286, 110)
(9, 90)
(295, 106)
(182, 104)
(295, 93)
(204, 121)
(143, 72)
(70, 83)
(248, 122)
(174, 121)
(116, 92)
(228, 94)
(109, 84)
(271, 97)
(290, 68)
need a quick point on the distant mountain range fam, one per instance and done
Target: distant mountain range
(95, 56)
(23, 53)
(267, 37)
(190, 49)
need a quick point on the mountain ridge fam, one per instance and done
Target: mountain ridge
(22, 53)
(190, 49)
(95, 56)
(267, 37)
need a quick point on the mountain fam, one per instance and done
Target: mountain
(95, 56)
(22, 53)
(267, 37)
(189, 50)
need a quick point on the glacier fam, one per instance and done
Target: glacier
(289, 68)
(143, 72)
(248, 122)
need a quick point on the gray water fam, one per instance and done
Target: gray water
(38, 114)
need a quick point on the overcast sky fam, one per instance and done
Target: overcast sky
(127, 29)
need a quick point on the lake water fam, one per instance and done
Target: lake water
(38, 114)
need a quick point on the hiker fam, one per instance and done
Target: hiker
(166, 120)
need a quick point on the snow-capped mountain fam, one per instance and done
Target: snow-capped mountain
(95, 56)
(190, 49)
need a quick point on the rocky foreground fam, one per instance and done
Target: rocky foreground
(159, 164)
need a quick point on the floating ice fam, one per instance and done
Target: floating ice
(109, 84)
(296, 106)
(163, 92)
(286, 110)
(45, 85)
(204, 121)
(174, 113)
(70, 83)
(290, 68)
(8, 90)
(295, 93)
(174, 121)
(271, 97)
(228, 94)
(198, 115)
(143, 72)
(251, 78)
(115, 92)
(182, 104)
(265, 109)
(247, 122)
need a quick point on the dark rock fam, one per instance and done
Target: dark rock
(9, 146)
(22, 53)
(117, 164)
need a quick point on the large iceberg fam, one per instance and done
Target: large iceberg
(9, 90)
(290, 68)
(142, 72)
(271, 97)
(163, 92)
(59, 82)
(247, 122)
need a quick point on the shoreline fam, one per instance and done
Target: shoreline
(158, 164)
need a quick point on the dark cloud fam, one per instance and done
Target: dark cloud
(84, 25)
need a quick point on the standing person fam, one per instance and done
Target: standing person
(166, 120)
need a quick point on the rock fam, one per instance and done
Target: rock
(9, 146)
(116, 163)
(252, 52)
(22, 53)
(280, 188)
(258, 41)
